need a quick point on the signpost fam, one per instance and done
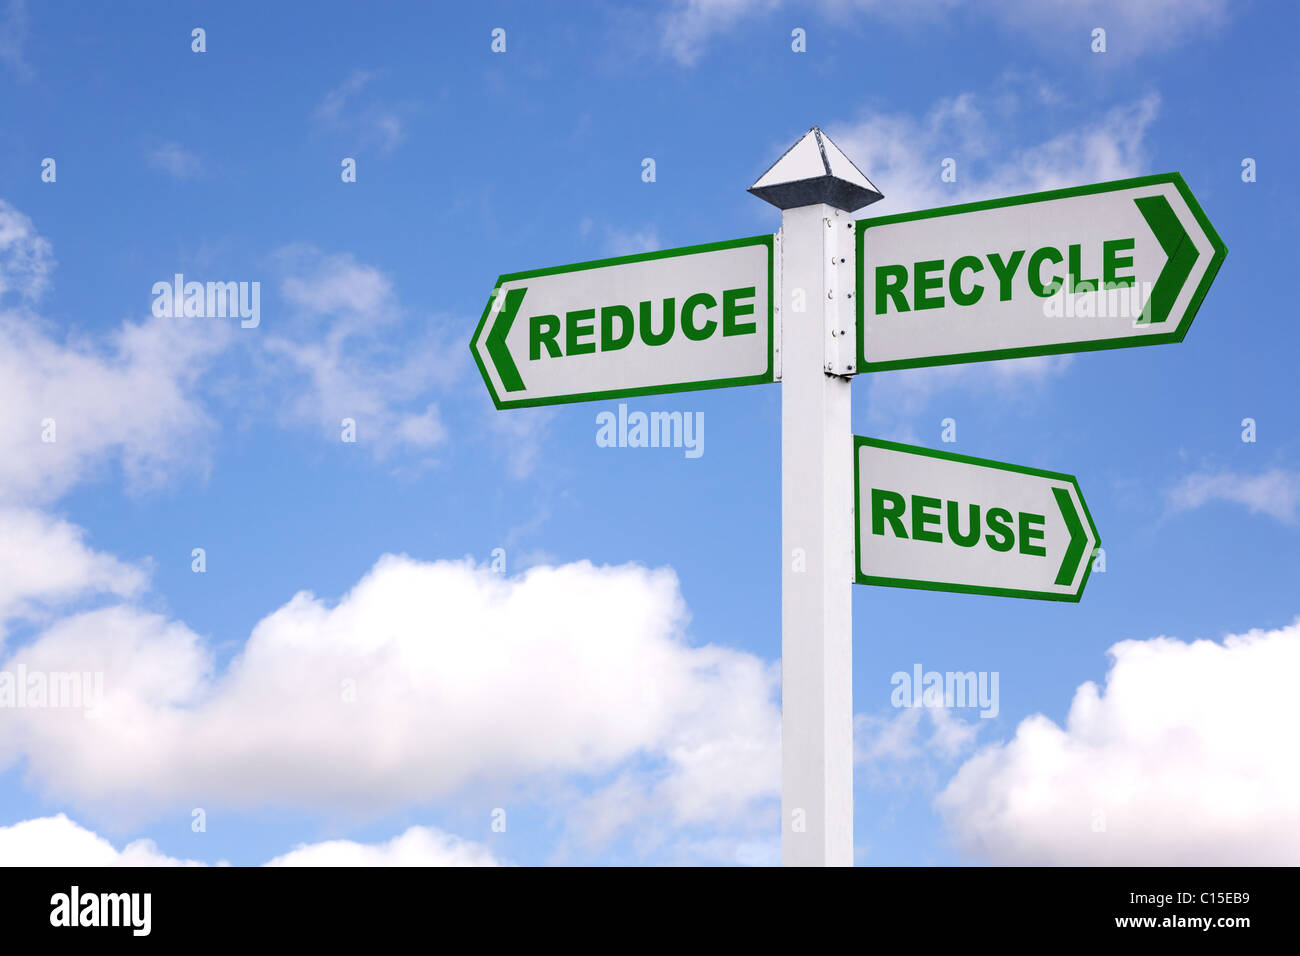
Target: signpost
(1071, 270)
(1104, 266)
(699, 317)
(944, 522)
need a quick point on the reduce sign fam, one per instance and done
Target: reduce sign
(946, 522)
(680, 319)
(1096, 267)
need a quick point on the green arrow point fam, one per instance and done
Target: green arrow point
(496, 342)
(1078, 537)
(1182, 255)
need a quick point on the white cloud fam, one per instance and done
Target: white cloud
(354, 357)
(625, 242)
(722, 766)
(75, 405)
(1185, 757)
(521, 432)
(620, 242)
(894, 751)
(26, 259)
(1114, 147)
(902, 154)
(331, 107)
(898, 737)
(1275, 492)
(372, 123)
(45, 562)
(128, 399)
(336, 285)
(421, 430)
(1133, 29)
(418, 846)
(58, 841)
(690, 24)
(175, 160)
(461, 677)
(343, 379)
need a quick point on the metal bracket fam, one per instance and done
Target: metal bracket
(778, 305)
(841, 311)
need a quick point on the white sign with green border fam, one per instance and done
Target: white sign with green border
(946, 522)
(669, 321)
(1096, 267)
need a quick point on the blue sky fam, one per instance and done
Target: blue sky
(616, 691)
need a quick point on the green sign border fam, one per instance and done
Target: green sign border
(860, 578)
(761, 379)
(1176, 335)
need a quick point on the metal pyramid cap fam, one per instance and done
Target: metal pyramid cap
(815, 170)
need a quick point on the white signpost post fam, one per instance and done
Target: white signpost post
(815, 186)
(1105, 266)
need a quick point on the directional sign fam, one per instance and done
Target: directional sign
(945, 522)
(680, 319)
(1097, 267)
